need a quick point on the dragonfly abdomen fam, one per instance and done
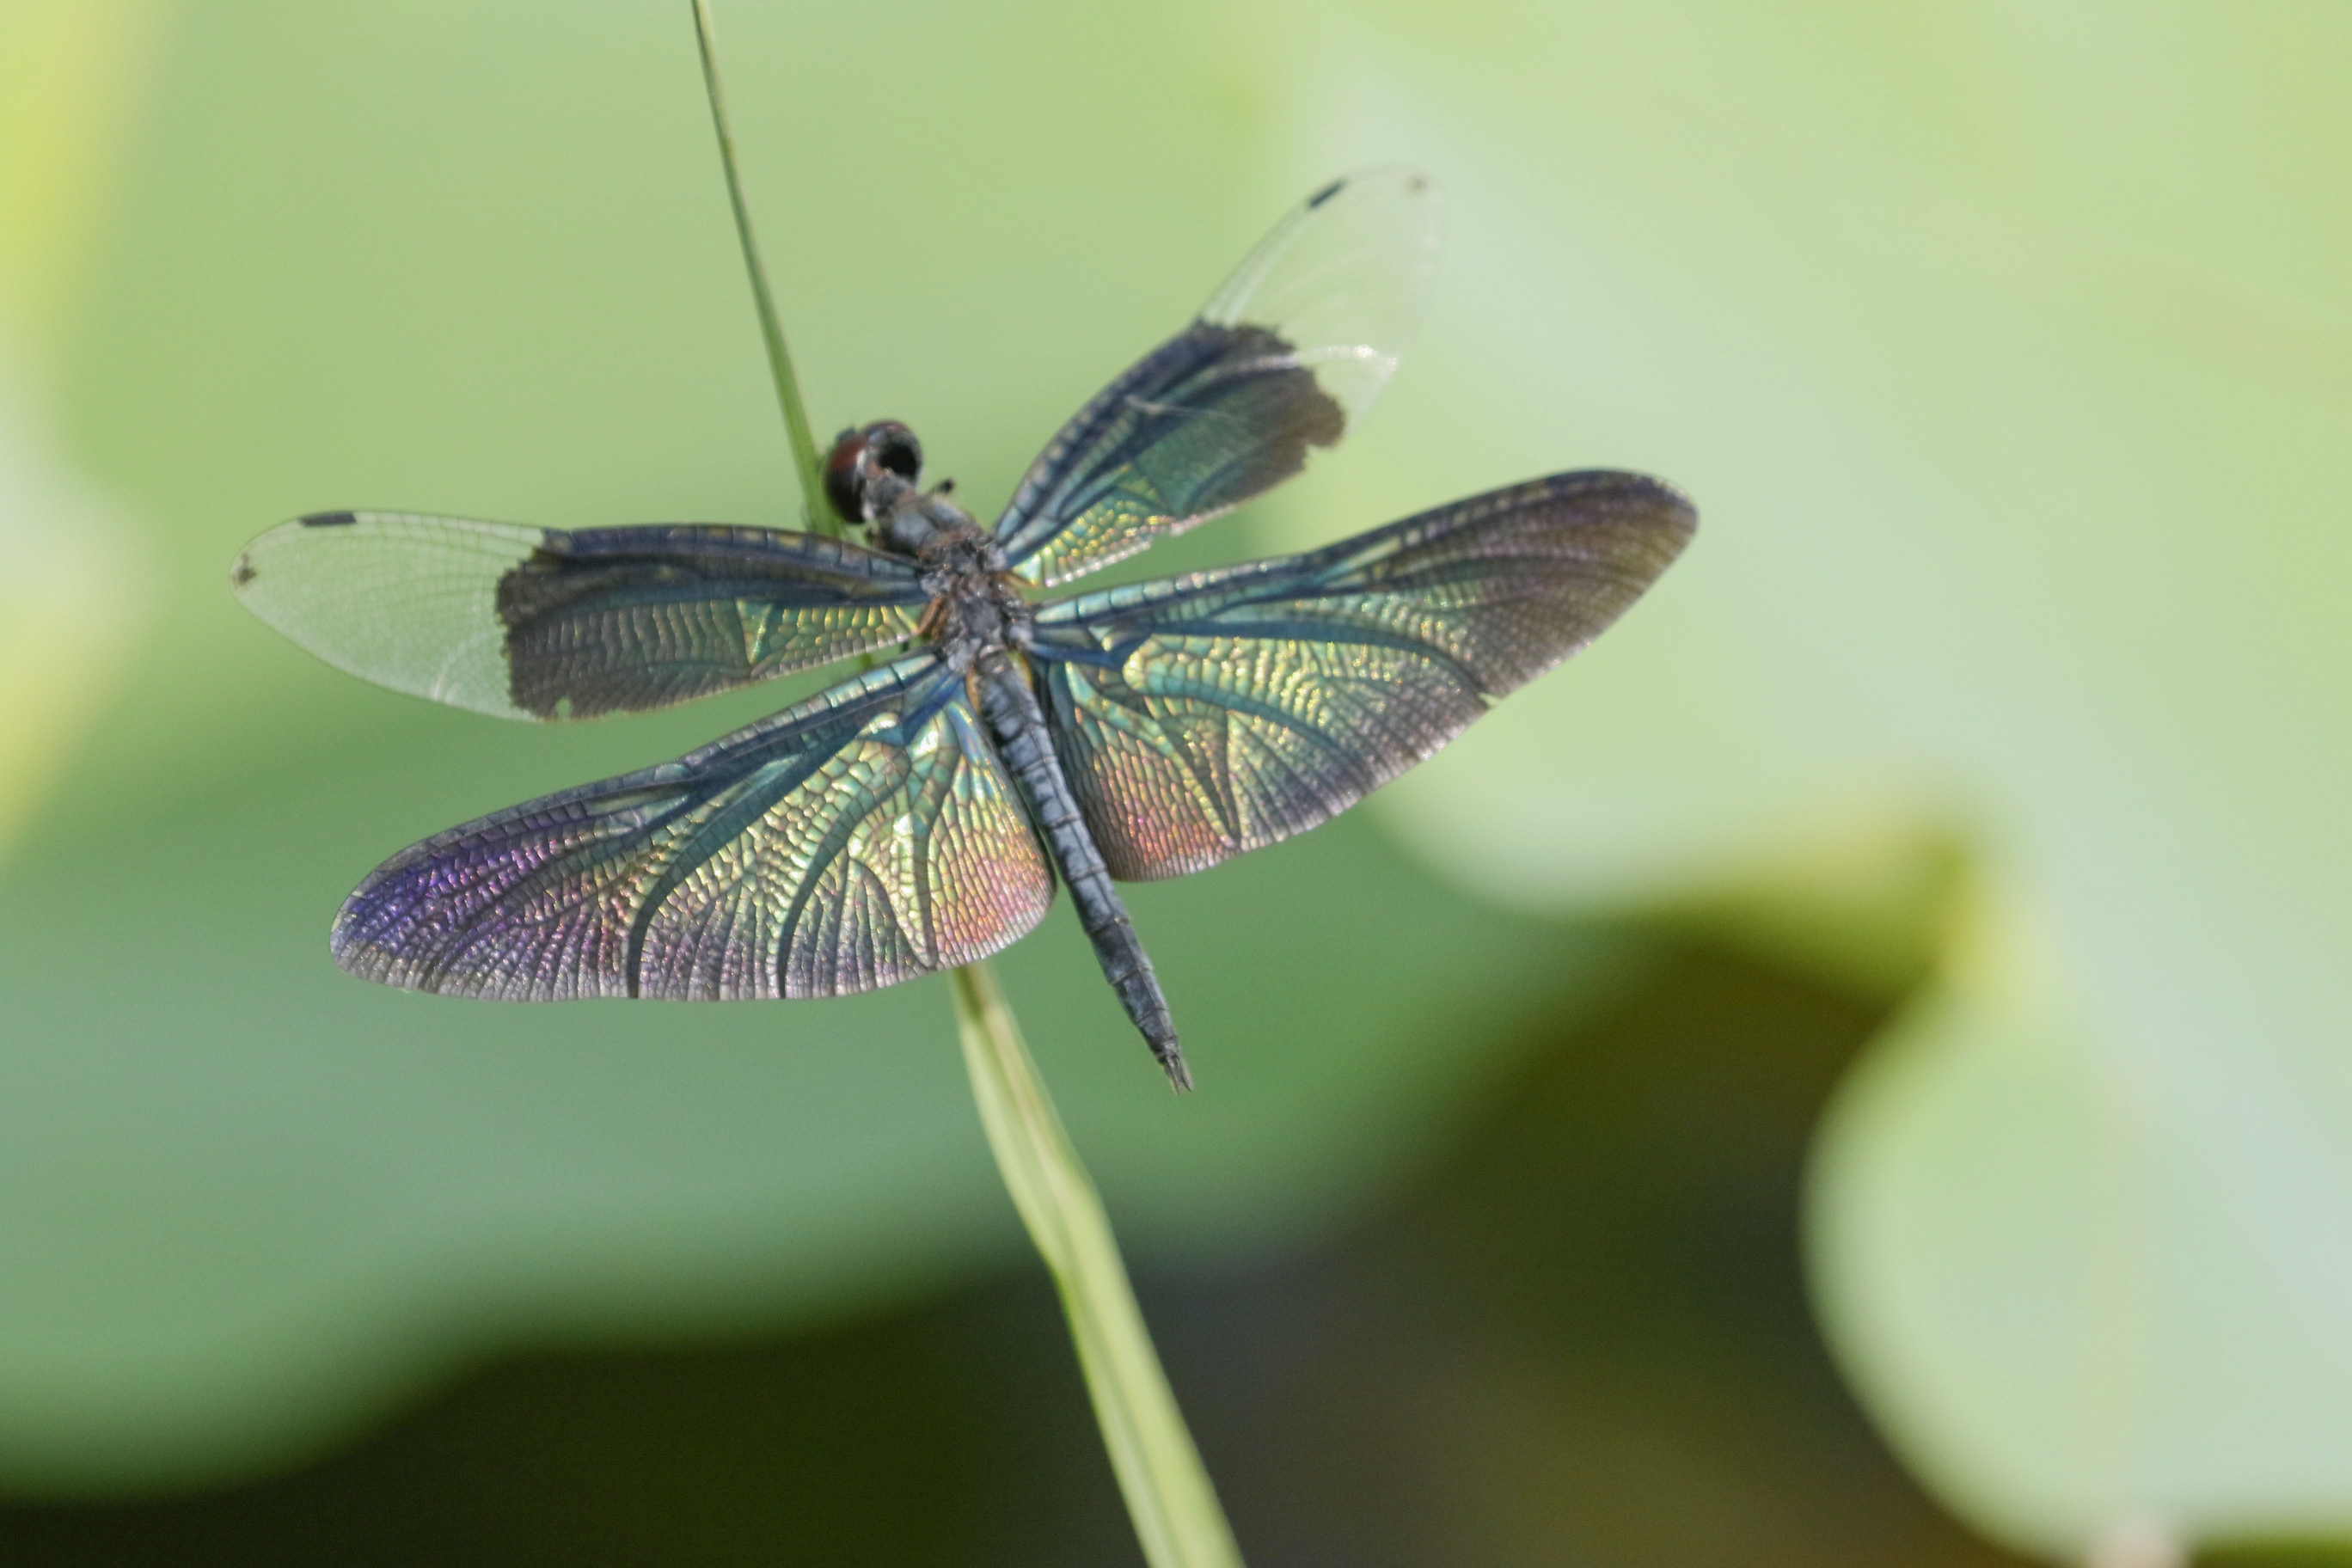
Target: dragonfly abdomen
(1002, 692)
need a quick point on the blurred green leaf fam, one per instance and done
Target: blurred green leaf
(2009, 362)
(2079, 1283)
(75, 599)
(2007, 355)
(76, 594)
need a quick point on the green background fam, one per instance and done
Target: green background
(1993, 729)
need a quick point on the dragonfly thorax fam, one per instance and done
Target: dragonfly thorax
(974, 609)
(977, 606)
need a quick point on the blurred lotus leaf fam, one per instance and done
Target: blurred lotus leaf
(2079, 1279)
(2010, 362)
(76, 593)
(74, 601)
(2007, 354)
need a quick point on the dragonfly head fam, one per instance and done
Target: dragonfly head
(868, 467)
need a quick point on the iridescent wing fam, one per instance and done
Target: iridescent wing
(1287, 356)
(1202, 716)
(530, 622)
(861, 837)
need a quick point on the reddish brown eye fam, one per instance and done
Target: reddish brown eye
(841, 481)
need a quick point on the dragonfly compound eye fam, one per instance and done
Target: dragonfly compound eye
(858, 455)
(841, 480)
(890, 444)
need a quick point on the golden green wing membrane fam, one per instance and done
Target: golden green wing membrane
(1202, 716)
(860, 839)
(1285, 358)
(540, 624)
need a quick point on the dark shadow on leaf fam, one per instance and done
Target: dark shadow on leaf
(1579, 1335)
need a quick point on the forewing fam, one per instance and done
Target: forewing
(864, 836)
(530, 622)
(1202, 716)
(1286, 357)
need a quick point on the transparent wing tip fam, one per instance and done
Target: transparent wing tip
(1386, 220)
(1345, 278)
(1395, 182)
(406, 602)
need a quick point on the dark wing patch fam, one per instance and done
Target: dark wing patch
(1199, 717)
(622, 619)
(530, 623)
(1210, 419)
(1287, 356)
(857, 839)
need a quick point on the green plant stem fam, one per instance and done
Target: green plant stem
(1168, 1492)
(1167, 1489)
(817, 515)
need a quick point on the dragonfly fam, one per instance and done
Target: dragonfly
(917, 815)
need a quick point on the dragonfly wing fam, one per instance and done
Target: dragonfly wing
(1286, 357)
(861, 837)
(530, 622)
(1202, 716)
